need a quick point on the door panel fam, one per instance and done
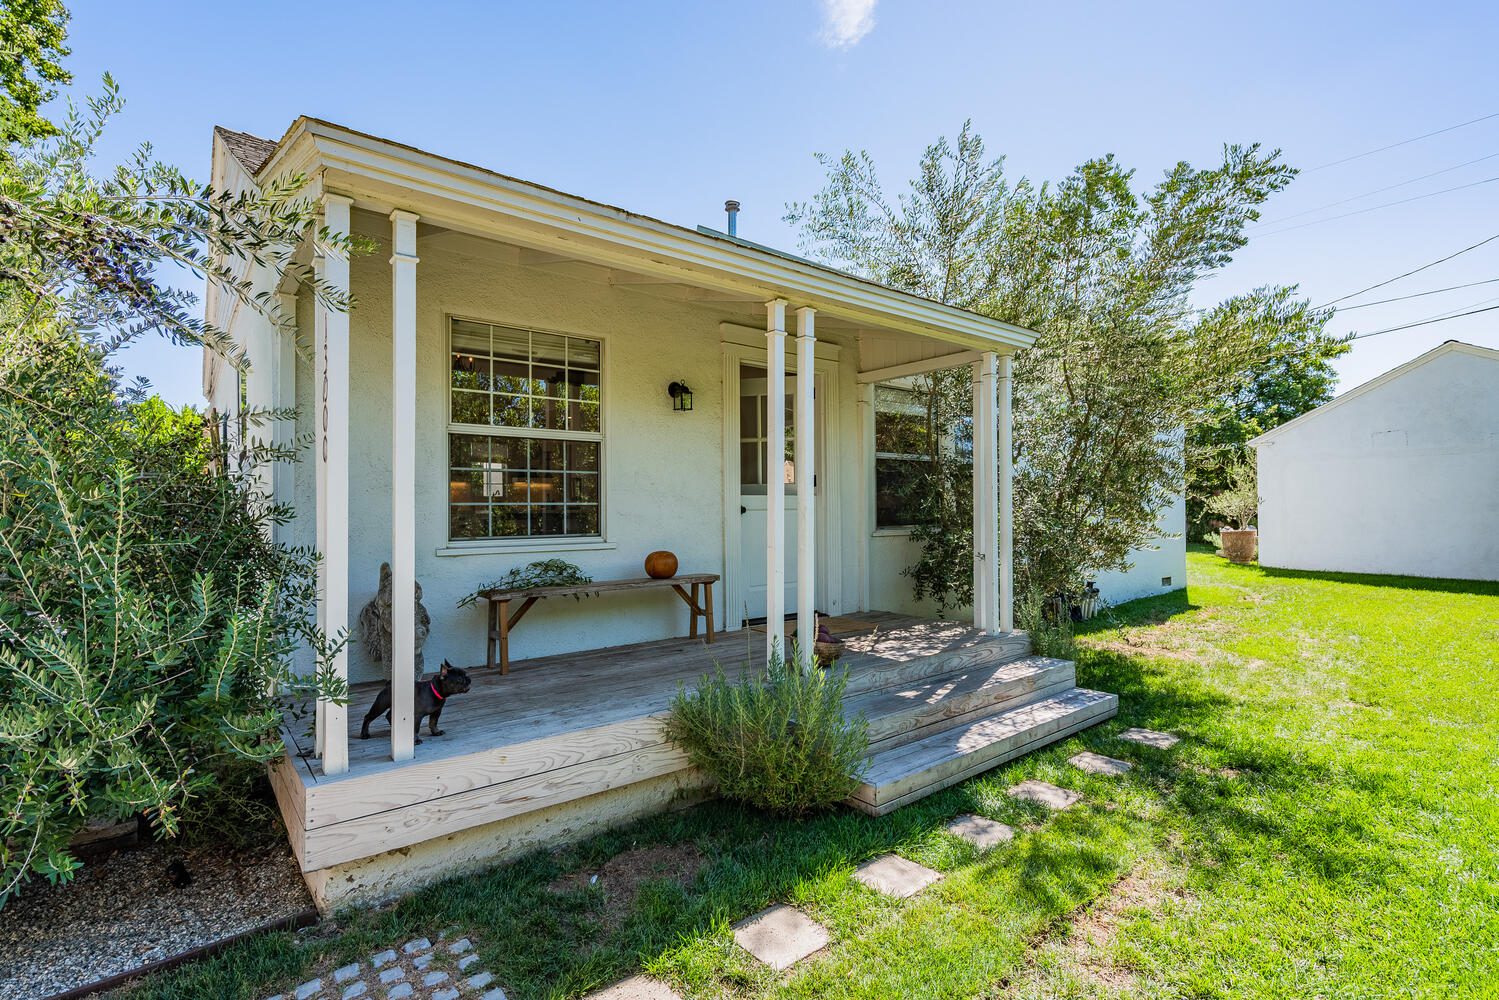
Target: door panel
(752, 490)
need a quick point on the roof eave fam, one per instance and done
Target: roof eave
(314, 147)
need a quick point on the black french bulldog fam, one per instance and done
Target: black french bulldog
(431, 695)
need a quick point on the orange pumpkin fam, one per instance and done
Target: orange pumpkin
(661, 565)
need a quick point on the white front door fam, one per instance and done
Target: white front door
(752, 491)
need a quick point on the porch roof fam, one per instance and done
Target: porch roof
(387, 175)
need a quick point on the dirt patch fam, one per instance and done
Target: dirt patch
(620, 878)
(1075, 956)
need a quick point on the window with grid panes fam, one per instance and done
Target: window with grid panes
(525, 433)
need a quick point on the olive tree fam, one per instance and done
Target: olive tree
(1104, 269)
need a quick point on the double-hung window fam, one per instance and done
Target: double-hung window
(525, 433)
(912, 430)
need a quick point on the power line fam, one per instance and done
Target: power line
(1407, 274)
(1366, 194)
(1417, 295)
(1422, 322)
(1402, 142)
(1375, 208)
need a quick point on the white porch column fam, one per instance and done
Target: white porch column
(403, 484)
(775, 477)
(284, 398)
(806, 486)
(986, 614)
(333, 480)
(1006, 498)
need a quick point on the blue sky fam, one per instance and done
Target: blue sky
(669, 108)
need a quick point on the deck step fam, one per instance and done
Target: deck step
(903, 774)
(906, 712)
(895, 666)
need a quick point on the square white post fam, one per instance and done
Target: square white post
(1006, 497)
(285, 398)
(986, 615)
(403, 484)
(806, 484)
(333, 479)
(775, 477)
(320, 476)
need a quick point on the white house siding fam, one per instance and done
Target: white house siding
(1158, 568)
(1400, 478)
(663, 474)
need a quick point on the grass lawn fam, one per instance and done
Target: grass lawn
(1328, 827)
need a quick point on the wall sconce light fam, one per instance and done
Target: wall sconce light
(681, 396)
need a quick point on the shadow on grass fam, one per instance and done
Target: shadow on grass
(1483, 588)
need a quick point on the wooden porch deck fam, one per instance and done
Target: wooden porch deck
(557, 728)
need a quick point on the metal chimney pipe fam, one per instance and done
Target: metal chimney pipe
(732, 207)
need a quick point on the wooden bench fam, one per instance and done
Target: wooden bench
(502, 621)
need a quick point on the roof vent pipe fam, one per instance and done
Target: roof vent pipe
(732, 207)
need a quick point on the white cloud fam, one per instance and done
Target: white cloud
(846, 22)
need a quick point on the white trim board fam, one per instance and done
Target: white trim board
(388, 175)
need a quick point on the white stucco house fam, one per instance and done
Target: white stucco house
(527, 374)
(1397, 476)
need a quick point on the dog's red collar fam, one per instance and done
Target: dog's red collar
(435, 693)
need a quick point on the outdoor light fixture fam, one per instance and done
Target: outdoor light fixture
(681, 396)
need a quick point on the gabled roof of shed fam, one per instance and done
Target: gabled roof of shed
(1447, 347)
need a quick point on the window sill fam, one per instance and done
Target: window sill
(511, 546)
(891, 532)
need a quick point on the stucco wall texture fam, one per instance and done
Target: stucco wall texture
(1402, 478)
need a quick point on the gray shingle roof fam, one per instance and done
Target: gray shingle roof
(250, 150)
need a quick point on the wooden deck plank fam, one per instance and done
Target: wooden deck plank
(396, 828)
(334, 802)
(563, 727)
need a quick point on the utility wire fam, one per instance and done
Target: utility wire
(1422, 322)
(1375, 208)
(1407, 274)
(1402, 142)
(1417, 295)
(1366, 194)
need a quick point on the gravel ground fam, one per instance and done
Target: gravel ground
(122, 912)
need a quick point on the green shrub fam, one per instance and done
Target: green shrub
(1048, 624)
(779, 742)
(146, 620)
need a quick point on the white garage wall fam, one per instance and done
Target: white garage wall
(1398, 477)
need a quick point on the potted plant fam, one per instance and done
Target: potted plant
(1238, 504)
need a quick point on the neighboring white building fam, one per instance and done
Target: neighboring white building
(1398, 476)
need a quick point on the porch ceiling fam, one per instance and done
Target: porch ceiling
(552, 229)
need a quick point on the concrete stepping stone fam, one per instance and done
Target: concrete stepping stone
(781, 936)
(636, 988)
(1097, 763)
(895, 876)
(981, 832)
(1151, 738)
(1045, 794)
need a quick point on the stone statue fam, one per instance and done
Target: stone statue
(374, 624)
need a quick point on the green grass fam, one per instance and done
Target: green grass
(1329, 827)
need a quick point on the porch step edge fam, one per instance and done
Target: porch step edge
(903, 774)
(988, 651)
(904, 713)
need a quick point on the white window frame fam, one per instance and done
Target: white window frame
(947, 444)
(526, 543)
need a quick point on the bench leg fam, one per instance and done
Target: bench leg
(692, 612)
(490, 632)
(708, 608)
(504, 637)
